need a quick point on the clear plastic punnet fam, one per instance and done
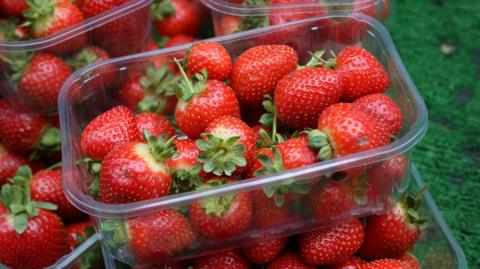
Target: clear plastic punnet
(235, 16)
(123, 30)
(84, 96)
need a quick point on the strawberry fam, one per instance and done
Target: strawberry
(151, 90)
(279, 16)
(257, 164)
(360, 73)
(385, 10)
(212, 57)
(385, 109)
(391, 234)
(109, 129)
(9, 162)
(174, 17)
(331, 200)
(39, 78)
(257, 70)
(227, 146)
(154, 124)
(267, 214)
(12, 7)
(265, 250)
(389, 172)
(332, 244)
(410, 261)
(228, 25)
(24, 131)
(46, 186)
(352, 263)
(201, 102)
(296, 153)
(289, 260)
(45, 18)
(137, 171)
(10, 30)
(152, 238)
(302, 95)
(384, 264)
(178, 40)
(77, 233)
(221, 217)
(231, 259)
(93, 8)
(31, 236)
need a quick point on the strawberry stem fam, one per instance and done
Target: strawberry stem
(186, 89)
(38, 9)
(319, 140)
(217, 206)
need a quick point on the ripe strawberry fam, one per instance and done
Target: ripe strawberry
(31, 237)
(289, 260)
(228, 147)
(109, 129)
(12, 7)
(296, 153)
(154, 124)
(202, 102)
(137, 171)
(360, 73)
(352, 263)
(221, 217)
(10, 30)
(265, 250)
(257, 165)
(46, 186)
(267, 214)
(231, 259)
(24, 131)
(151, 90)
(330, 200)
(279, 16)
(212, 57)
(385, 109)
(174, 17)
(332, 244)
(154, 237)
(178, 40)
(9, 162)
(257, 70)
(391, 234)
(389, 172)
(46, 18)
(410, 261)
(77, 233)
(302, 95)
(384, 264)
(229, 25)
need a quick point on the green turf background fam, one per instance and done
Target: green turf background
(449, 155)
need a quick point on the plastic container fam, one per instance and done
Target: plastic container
(231, 16)
(120, 31)
(83, 98)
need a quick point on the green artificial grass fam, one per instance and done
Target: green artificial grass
(439, 42)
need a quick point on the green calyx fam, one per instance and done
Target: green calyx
(158, 81)
(186, 89)
(269, 118)
(16, 197)
(253, 22)
(221, 156)
(217, 206)
(93, 168)
(266, 140)
(38, 9)
(186, 180)
(319, 140)
(18, 63)
(162, 9)
(116, 233)
(49, 142)
(8, 29)
(410, 204)
(152, 104)
(162, 148)
(81, 59)
(318, 61)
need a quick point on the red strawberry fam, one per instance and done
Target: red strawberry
(231, 259)
(174, 17)
(228, 25)
(154, 124)
(202, 102)
(280, 16)
(178, 40)
(151, 90)
(77, 233)
(289, 261)
(154, 237)
(332, 244)
(93, 8)
(228, 146)
(385, 109)
(360, 73)
(391, 234)
(302, 95)
(211, 57)
(10, 30)
(265, 250)
(9, 162)
(137, 171)
(257, 70)
(221, 217)
(296, 153)
(410, 261)
(388, 173)
(257, 165)
(46, 18)
(267, 214)
(167, 265)
(31, 237)
(331, 200)
(384, 264)
(109, 129)
(12, 7)
(352, 263)
(24, 131)
(46, 186)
